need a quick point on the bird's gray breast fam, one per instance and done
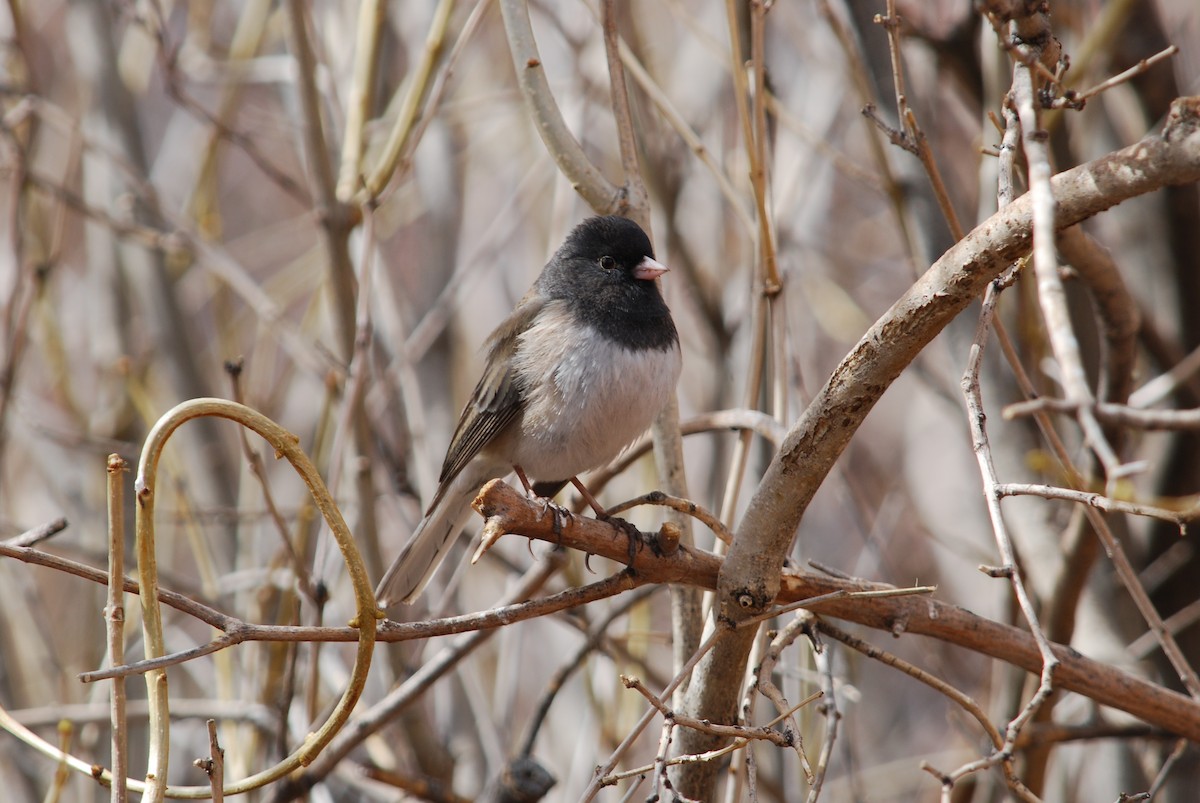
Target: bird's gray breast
(586, 397)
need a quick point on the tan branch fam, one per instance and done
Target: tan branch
(750, 578)
(713, 728)
(601, 194)
(919, 615)
(1112, 413)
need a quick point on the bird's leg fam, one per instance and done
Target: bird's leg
(587, 497)
(631, 532)
(524, 480)
(560, 513)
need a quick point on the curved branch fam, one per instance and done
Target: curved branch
(750, 576)
(286, 445)
(509, 510)
(600, 193)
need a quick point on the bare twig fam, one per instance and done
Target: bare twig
(602, 776)
(913, 138)
(855, 62)
(1076, 100)
(956, 696)
(255, 462)
(1162, 386)
(979, 441)
(912, 614)
(713, 728)
(695, 144)
(765, 534)
(636, 202)
(26, 282)
(798, 626)
(1100, 502)
(114, 619)
(1051, 294)
(1160, 779)
(585, 177)
(929, 617)
(597, 633)
(33, 537)
(662, 758)
(367, 37)
(239, 632)
(370, 721)
(1112, 545)
(685, 506)
(168, 53)
(214, 765)
(833, 716)
(1117, 310)
(401, 133)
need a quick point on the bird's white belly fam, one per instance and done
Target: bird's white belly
(601, 396)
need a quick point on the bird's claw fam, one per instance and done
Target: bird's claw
(561, 516)
(632, 534)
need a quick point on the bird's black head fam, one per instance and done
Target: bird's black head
(605, 271)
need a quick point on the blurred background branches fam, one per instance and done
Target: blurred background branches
(320, 209)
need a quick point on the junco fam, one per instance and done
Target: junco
(578, 370)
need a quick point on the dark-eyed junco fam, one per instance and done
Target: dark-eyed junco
(578, 370)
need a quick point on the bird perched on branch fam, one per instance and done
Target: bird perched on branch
(577, 370)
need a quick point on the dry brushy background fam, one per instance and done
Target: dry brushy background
(165, 216)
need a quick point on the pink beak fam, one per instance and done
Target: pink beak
(649, 269)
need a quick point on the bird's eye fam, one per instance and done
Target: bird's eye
(607, 262)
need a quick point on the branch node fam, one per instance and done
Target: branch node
(668, 538)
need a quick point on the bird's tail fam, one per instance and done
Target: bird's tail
(431, 541)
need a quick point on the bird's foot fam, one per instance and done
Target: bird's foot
(560, 513)
(633, 535)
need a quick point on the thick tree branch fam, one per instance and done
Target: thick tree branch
(750, 576)
(508, 510)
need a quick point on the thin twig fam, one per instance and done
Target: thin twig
(360, 100)
(913, 137)
(156, 680)
(980, 444)
(635, 201)
(114, 619)
(402, 131)
(254, 461)
(662, 759)
(798, 626)
(1075, 100)
(1125, 570)
(1100, 502)
(238, 632)
(695, 144)
(1160, 779)
(956, 696)
(1051, 294)
(38, 534)
(856, 61)
(595, 635)
(685, 506)
(713, 728)
(371, 720)
(601, 194)
(601, 776)
(1164, 385)
(214, 765)
(167, 53)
